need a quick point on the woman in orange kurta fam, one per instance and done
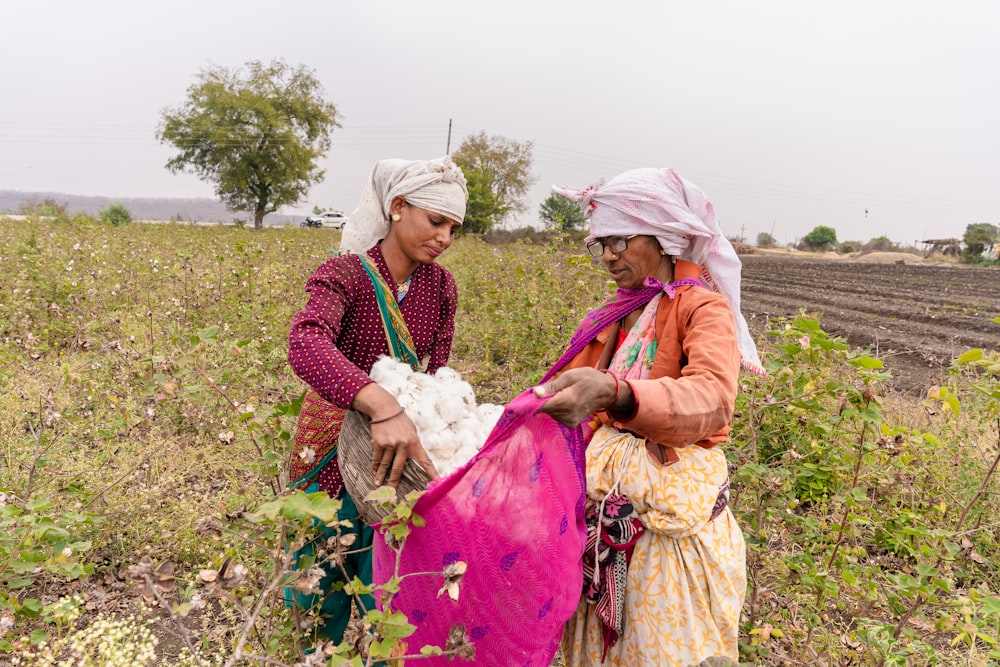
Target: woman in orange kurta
(665, 568)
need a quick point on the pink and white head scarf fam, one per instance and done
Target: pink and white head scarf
(659, 203)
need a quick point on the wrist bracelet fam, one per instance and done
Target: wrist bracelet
(385, 419)
(618, 389)
(622, 415)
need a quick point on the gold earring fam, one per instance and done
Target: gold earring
(395, 217)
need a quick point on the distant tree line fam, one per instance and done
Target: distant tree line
(980, 242)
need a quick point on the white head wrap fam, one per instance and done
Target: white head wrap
(659, 203)
(436, 185)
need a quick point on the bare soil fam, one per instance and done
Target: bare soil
(916, 316)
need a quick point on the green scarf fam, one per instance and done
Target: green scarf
(396, 334)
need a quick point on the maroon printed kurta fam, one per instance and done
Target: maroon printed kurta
(336, 339)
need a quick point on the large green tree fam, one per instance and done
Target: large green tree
(483, 211)
(559, 212)
(256, 133)
(506, 166)
(977, 237)
(820, 238)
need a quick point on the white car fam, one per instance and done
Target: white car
(335, 219)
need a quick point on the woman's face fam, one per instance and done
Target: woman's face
(641, 259)
(422, 235)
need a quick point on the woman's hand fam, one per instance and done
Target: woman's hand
(394, 436)
(394, 441)
(579, 393)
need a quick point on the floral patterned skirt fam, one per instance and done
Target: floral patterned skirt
(687, 578)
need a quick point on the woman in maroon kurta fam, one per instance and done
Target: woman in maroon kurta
(408, 216)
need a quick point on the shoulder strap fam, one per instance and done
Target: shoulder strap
(396, 334)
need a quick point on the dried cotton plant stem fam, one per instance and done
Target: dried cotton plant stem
(982, 487)
(919, 601)
(278, 581)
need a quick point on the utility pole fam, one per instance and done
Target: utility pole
(447, 150)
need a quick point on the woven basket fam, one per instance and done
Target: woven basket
(354, 452)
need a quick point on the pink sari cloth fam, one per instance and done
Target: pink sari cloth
(515, 515)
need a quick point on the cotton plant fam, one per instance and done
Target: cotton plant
(451, 426)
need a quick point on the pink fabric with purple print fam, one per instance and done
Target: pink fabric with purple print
(515, 515)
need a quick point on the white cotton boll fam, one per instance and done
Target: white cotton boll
(388, 367)
(447, 375)
(427, 410)
(489, 415)
(466, 452)
(465, 391)
(466, 434)
(429, 418)
(481, 435)
(446, 454)
(423, 380)
(394, 384)
(452, 411)
(422, 428)
(380, 371)
(432, 444)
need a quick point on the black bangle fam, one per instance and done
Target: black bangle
(385, 419)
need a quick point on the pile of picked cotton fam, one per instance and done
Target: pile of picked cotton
(452, 428)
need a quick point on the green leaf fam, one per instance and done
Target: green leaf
(871, 414)
(397, 626)
(867, 362)
(970, 356)
(269, 511)
(382, 495)
(31, 608)
(209, 333)
(953, 403)
(38, 504)
(318, 505)
(991, 605)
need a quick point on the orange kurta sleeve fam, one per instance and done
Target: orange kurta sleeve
(690, 395)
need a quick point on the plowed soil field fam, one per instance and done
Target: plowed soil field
(915, 316)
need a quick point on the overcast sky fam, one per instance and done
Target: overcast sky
(788, 114)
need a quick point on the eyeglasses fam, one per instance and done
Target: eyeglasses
(618, 244)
